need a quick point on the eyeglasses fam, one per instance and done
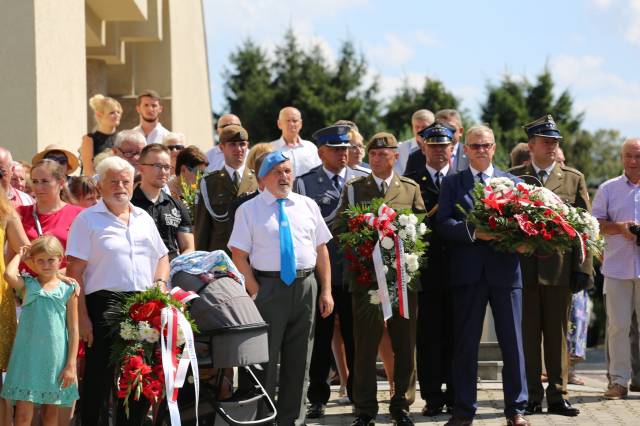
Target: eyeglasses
(158, 166)
(175, 147)
(130, 154)
(479, 146)
(58, 158)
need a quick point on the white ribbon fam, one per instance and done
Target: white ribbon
(174, 375)
(383, 292)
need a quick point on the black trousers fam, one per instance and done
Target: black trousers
(319, 390)
(434, 345)
(100, 374)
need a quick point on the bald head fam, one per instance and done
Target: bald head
(6, 163)
(630, 156)
(632, 143)
(290, 123)
(227, 120)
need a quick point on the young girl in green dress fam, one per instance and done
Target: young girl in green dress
(42, 368)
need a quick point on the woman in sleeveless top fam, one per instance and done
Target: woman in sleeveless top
(12, 232)
(107, 113)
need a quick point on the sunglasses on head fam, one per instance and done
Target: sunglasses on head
(59, 158)
(175, 147)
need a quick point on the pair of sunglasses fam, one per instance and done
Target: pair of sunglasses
(175, 147)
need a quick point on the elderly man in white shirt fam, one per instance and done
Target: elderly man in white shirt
(420, 120)
(303, 154)
(278, 242)
(113, 247)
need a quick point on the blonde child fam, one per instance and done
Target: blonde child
(42, 368)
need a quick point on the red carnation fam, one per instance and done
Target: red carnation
(145, 311)
(493, 224)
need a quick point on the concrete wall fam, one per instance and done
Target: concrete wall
(42, 77)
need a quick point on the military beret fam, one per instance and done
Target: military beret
(233, 133)
(336, 136)
(543, 126)
(382, 140)
(437, 134)
(270, 161)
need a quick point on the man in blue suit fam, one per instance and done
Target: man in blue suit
(479, 275)
(324, 184)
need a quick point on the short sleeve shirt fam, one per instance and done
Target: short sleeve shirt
(256, 230)
(303, 157)
(170, 215)
(119, 256)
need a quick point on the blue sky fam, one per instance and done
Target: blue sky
(592, 47)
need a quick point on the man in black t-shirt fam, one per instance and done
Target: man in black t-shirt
(170, 215)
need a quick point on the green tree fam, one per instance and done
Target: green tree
(248, 91)
(434, 96)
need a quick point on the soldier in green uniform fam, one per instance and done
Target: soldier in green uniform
(398, 193)
(218, 190)
(548, 278)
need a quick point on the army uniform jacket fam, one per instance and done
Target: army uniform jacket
(214, 218)
(317, 185)
(403, 193)
(556, 268)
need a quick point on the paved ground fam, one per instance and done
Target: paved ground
(588, 398)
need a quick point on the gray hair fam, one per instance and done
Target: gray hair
(480, 128)
(447, 115)
(114, 164)
(129, 136)
(173, 136)
(423, 114)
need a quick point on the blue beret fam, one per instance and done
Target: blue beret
(437, 134)
(337, 136)
(270, 161)
(543, 126)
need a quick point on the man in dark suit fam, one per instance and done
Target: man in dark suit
(479, 275)
(434, 342)
(458, 162)
(324, 184)
(398, 193)
(547, 277)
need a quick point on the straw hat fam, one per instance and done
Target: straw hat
(72, 160)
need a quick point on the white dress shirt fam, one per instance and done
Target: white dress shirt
(488, 173)
(231, 170)
(119, 256)
(342, 175)
(256, 230)
(443, 172)
(405, 149)
(155, 136)
(303, 156)
(380, 180)
(548, 170)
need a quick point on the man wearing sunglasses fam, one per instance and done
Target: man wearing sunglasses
(170, 215)
(128, 146)
(480, 275)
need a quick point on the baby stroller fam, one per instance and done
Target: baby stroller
(231, 334)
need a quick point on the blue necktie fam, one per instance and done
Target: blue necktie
(287, 256)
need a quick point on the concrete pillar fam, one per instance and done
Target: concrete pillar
(43, 88)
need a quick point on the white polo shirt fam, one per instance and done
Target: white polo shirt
(156, 135)
(256, 230)
(119, 257)
(303, 156)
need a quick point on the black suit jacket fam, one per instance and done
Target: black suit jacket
(435, 273)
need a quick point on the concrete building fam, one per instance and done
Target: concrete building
(55, 55)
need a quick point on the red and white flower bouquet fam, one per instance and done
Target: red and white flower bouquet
(518, 214)
(384, 249)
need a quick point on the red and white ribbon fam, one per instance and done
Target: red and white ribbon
(175, 371)
(383, 222)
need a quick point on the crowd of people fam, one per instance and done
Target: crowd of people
(80, 230)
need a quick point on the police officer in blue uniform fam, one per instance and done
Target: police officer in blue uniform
(324, 184)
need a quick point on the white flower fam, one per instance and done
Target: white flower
(180, 340)
(412, 262)
(387, 243)
(374, 298)
(128, 331)
(385, 268)
(402, 234)
(422, 229)
(403, 219)
(148, 333)
(413, 220)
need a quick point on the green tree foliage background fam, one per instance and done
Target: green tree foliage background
(257, 86)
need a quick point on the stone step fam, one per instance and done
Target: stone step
(489, 351)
